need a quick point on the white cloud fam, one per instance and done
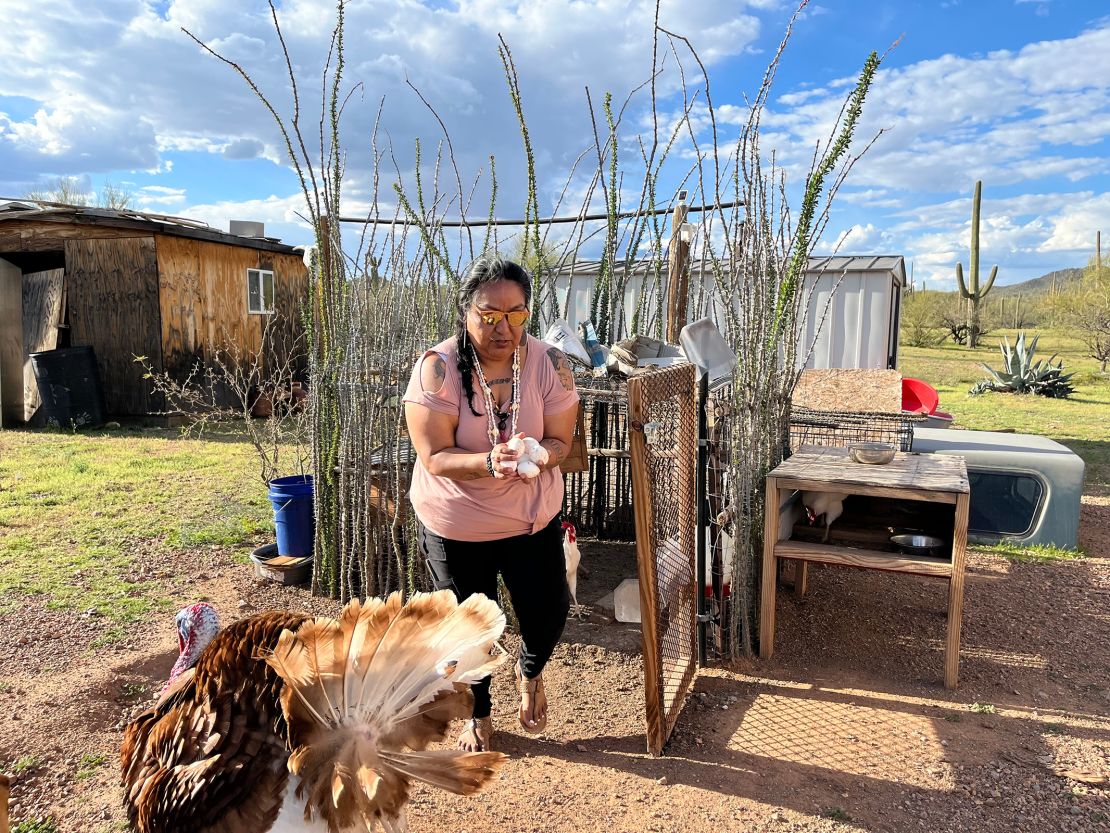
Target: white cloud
(1004, 117)
(280, 214)
(119, 67)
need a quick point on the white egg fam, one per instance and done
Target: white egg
(527, 469)
(532, 446)
(516, 444)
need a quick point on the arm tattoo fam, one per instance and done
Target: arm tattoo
(557, 449)
(439, 375)
(562, 368)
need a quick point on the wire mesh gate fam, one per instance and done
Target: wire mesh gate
(662, 413)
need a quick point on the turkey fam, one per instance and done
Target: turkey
(288, 723)
(829, 504)
(4, 804)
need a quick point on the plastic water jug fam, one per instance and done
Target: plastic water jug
(626, 601)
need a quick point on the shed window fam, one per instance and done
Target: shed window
(260, 291)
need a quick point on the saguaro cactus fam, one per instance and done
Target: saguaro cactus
(971, 290)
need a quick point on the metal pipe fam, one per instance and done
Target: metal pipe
(581, 218)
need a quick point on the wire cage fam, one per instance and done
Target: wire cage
(838, 429)
(599, 500)
(807, 427)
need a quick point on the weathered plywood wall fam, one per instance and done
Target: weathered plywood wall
(11, 344)
(290, 301)
(45, 236)
(42, 311)
(180, 295)
(203, 300)
(113, 305)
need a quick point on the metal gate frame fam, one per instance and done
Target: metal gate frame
(662, 413)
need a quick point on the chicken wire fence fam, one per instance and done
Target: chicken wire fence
(662, 413)
(720, 547)
(599, 500)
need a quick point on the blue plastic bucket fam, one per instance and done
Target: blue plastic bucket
(293, 518)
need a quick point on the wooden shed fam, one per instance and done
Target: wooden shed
(132, 284)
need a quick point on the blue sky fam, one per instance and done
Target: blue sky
(1013, 92)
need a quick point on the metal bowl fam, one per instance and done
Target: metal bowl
(875, 454)
(919, 544)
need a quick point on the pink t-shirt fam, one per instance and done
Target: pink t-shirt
(489, 508)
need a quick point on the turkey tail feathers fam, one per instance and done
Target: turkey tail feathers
(364, 694)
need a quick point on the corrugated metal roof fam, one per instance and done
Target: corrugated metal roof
(856, 263)
(835, 263)
(127, 218)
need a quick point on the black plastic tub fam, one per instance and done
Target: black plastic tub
(69, 386)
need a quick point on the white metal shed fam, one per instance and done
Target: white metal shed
(862, 294)
(854, 311)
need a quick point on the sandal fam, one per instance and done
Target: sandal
(477, 735)
(532, 688)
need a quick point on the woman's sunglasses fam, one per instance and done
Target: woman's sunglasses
(493, 317)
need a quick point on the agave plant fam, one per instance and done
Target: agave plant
(1020, 374)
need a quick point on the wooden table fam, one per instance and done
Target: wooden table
(932, 478)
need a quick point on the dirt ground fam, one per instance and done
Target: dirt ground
(847, 728)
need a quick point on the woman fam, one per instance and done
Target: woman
(467, 397)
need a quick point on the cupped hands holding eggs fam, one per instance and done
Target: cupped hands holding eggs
(533, 456)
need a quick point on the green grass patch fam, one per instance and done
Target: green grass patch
(78, 511)
(24, 764)
(1080, 422)
(982, 708)
(836, 814)
(46, 825)
(88, 766)
(1032, 553)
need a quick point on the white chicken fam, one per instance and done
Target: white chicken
(829, 504)
(286, 723)
(573, 559)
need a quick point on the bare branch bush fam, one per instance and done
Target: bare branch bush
(260, 393)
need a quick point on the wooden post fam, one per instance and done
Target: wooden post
(956, 592)
(645, 560)
(678, 282)
(769, 578)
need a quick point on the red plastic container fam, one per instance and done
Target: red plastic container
(919, 397)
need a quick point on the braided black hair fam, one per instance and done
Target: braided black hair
(486, 269)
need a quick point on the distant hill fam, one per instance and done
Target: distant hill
(1038, 286)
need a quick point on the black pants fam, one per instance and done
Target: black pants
(533, 568)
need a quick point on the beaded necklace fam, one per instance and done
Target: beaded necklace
(514, 408)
